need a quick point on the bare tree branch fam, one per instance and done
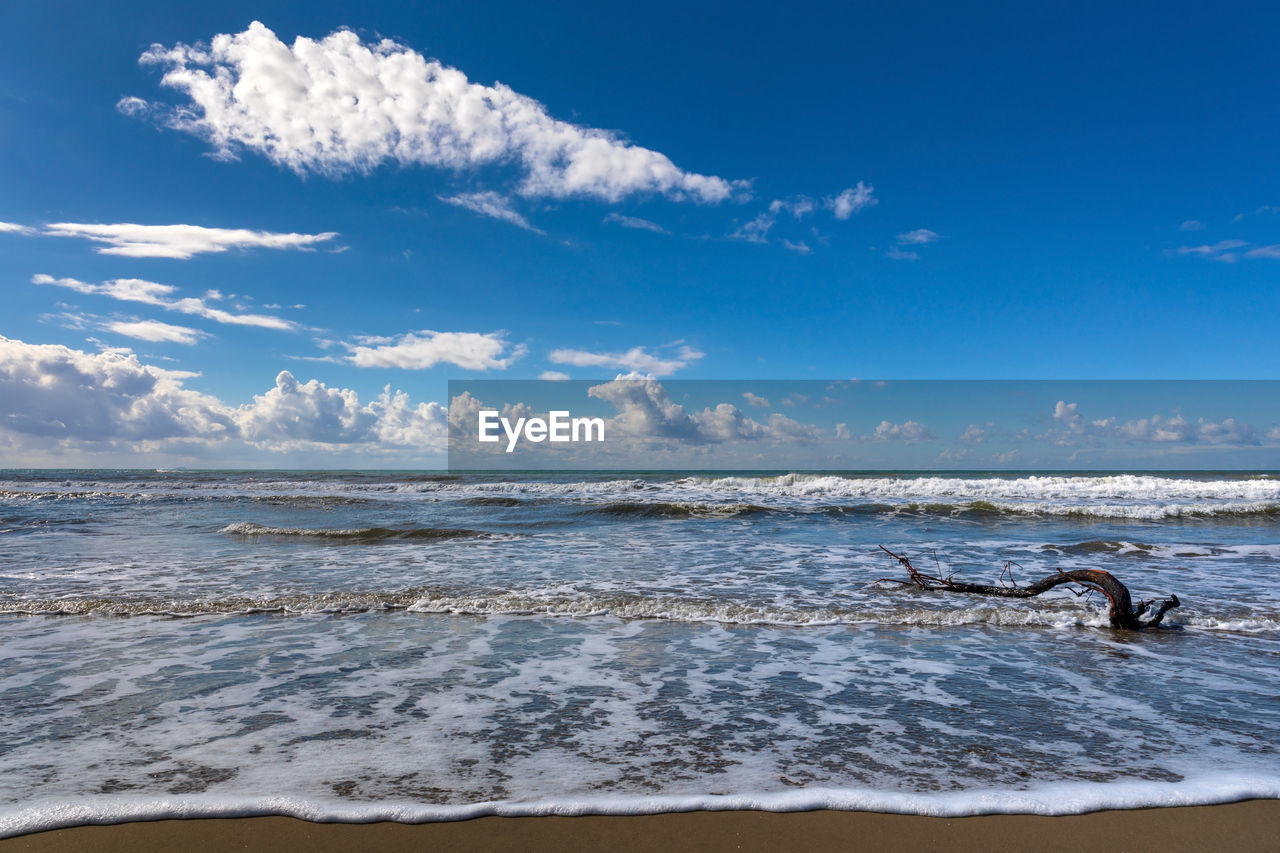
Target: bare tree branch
(1123, 613)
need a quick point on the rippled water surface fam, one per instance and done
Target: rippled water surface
(413, 646)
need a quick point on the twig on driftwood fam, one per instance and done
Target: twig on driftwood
(1123, 612)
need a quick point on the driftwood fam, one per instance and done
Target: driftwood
(1124, 614)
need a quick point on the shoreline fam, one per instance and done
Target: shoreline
(1242, 826)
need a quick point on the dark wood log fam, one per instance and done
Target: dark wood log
(1123, 612)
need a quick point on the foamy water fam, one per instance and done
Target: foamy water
(420, 647)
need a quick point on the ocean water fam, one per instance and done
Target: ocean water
(372, 645)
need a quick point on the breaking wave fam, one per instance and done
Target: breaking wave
(361, 535)
(1066, 614)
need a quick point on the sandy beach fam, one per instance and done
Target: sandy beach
(1239, 827)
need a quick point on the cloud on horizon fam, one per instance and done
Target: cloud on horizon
(56, 396)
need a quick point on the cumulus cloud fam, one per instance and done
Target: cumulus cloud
(636, 359)
(180, 241)
(423, 349)
(1157, 429)
(851, 200)
(52, 395)
(756, 400)
(295, 415)
(906, 431)
(636, 222)
(491, 204)
(646, 411)
(57, 393)
(339, 105)
(154, 293)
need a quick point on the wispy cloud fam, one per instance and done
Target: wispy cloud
(180, 241)
(340, 105)
(491, 204)
(15, 228)
(1191, 225)
(636, 359)
(160, 295)
(154, 331)
(798, 206)
(636, 222)
(755, 230)
(902, 255)
(424, 349)
(1223, 250)
(918, 237)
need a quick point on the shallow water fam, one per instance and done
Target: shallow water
(358, 645)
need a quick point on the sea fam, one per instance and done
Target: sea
(417, 646)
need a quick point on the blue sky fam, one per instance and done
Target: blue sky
(888, 191)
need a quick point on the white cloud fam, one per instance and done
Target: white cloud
(339, 105)
(1156, 429)
(180, 241)
(756, 230)
(57, 400)
(901, 255)
(553, 376)
(843, 433)
(756, 400)
(1191, 225)
(918, 237)
(798, 206)
(906, 431)
(491, 204)
(851, 200)
(1264, 252)
(636, 222)
(646, 411)
(295, 415)
(56, 393)
(636, 358)
(154, 293)
(1223, 250)
(801, 247)
(15, 228)
(154, 331)
(423, 349)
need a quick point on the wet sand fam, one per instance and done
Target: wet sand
(1238, 827)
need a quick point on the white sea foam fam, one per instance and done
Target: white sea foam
(1055, 799)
